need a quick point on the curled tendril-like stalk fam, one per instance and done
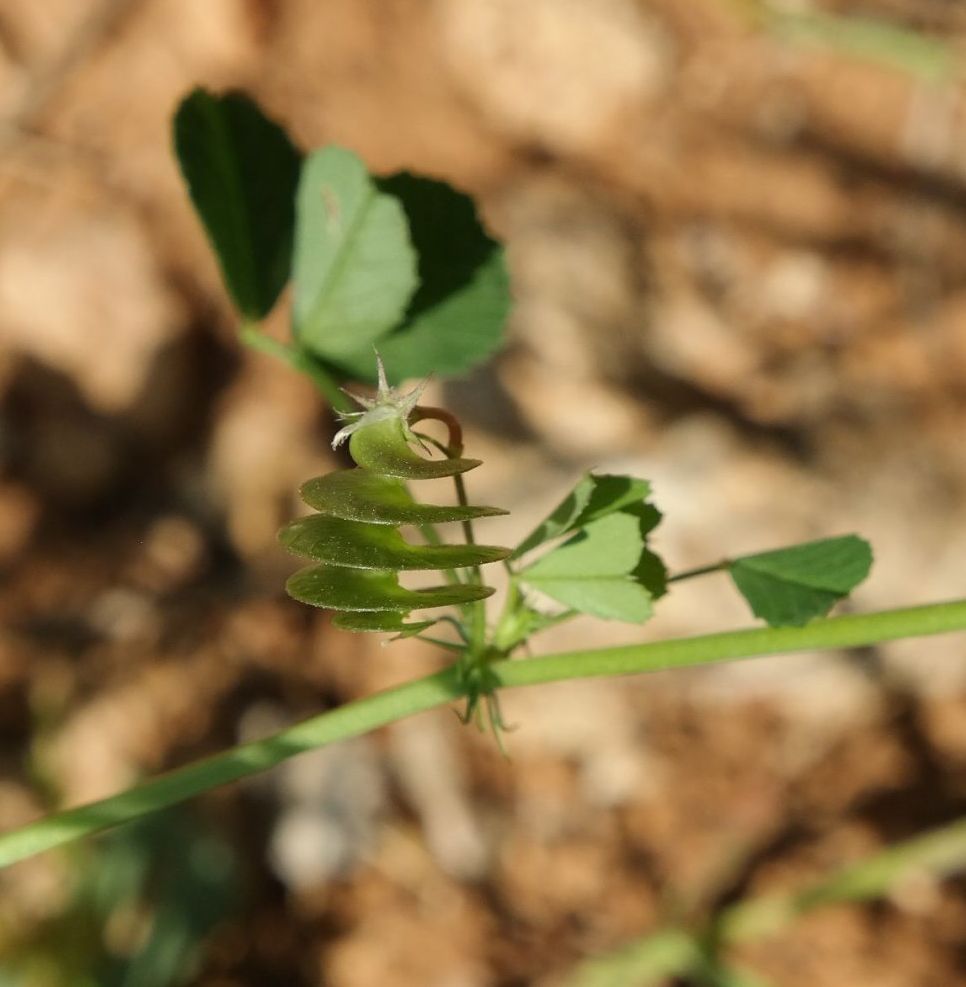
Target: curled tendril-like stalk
(354, 540)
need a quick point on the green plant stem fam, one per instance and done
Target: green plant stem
(648, 961)
(477, 611)
(168, 789)
(435, 690)
(700, 571)
(678, 952)
(939, 852)
(433, 537)
(514, 625)
(253, 337)
(440, 643)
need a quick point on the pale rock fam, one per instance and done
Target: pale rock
(593, 723)
(262, 450)
(432, 778)
(83, 295)
(563, 72)
(41, 31)
(793, 286)
(329, 803)
(689, 339)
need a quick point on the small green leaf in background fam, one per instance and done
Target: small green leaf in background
(170, 871)
(355, 267)
(455, 320)
(242, 172)
(595, 496)
(791, 586)
(597, 570)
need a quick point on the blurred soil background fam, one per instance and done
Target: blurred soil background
(737, 236)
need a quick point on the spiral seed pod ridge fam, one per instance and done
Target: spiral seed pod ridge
(354, 542)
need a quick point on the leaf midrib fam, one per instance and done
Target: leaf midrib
(341, 255)
(229, 162)
(787, 580)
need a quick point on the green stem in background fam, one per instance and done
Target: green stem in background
(679, 952)
(252, 336)
(363, 715)
(939, 852)
(874, 39)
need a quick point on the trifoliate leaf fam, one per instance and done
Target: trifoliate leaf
(791, 586)
(355, 267)
(242, 171)
(594, 571)
(455, 320)
(594, 497)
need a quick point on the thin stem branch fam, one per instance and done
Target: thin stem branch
(475, 612)
(253, 337)
(440, 643)
(363, 715)
(454, 443)
(700, 571)
(433, 537)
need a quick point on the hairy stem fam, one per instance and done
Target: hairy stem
(252, 336)
(475, 612)
(366, 714)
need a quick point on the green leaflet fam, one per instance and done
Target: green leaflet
(241, 170)
(791, 586)
(455, 319)
(604, 570)
(355, 267)
(595, 496)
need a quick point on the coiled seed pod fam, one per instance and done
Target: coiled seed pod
(354, 540)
